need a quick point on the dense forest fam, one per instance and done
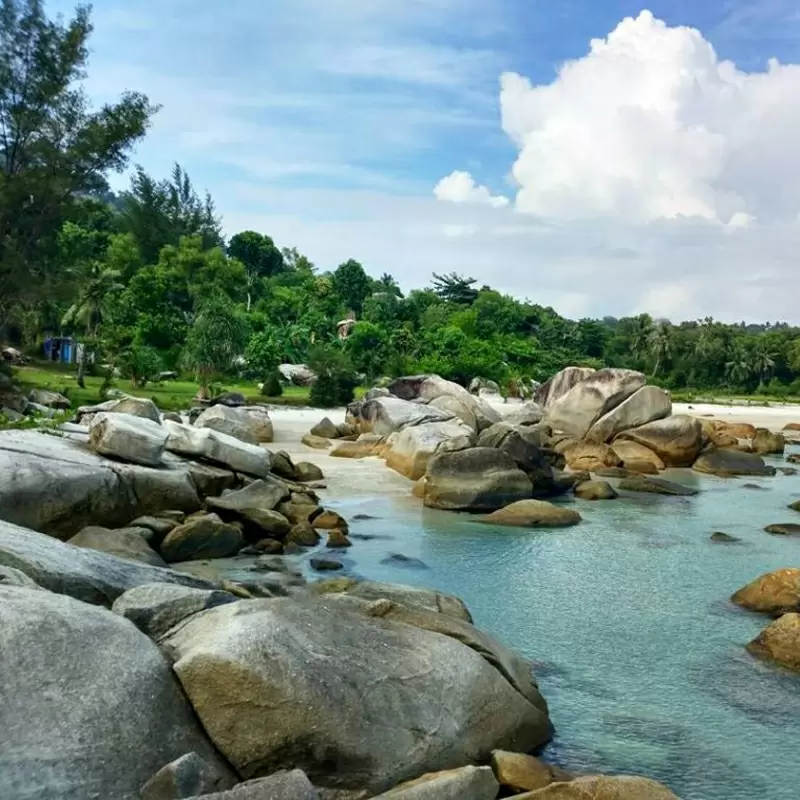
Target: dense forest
(148, 282)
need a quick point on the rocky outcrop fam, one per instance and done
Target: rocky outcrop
(726, 462)
(226, 420)
(773, 593)
(637, 458)
(286, 683)
(202, 537)
(676, 440)
(85, 574)
(600, 787)
(133, 406)
(118, 716)
(779, 642)
(527, 414)
(560, 384)
(519, 772)
(655, 486)
(410, 450)
(219, 448)
(576, 411)
(595, 490)
(48, 399)
(645, 405)
(154, 608)
(124, 543)
(386, 415)
(58, 486)
(255, 507)
(765, 442)
(534, 514)
(478, 479)
(585, 455)
(128, 438)
(475, 783)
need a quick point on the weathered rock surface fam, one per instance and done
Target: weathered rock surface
(185, 777)
(766, 442)
(278, 681)
(779, 642)
(325, 429)
(410, 450)
(43, 397)
(773, 593)
(219, 448)
(534, 514)
(637, 457)
(365, 446)
(676, 440)
(284, 785)
(200, 538)
(617, 787)
(123, 543)
(128, 438)
(595, 490)
(228, 421)
(523, 773)
(645, 405)
(724, 462)
(560, 384)
(527, 414)
(315, 442)
(655, 486)
(584, 455)
(783, 529)
(154, 608)
(576, 411)
(255, 506)
(385, 415)
(87, 575)
(478, 479)
(92, 703)
(472, 783)
(133, 406)
(306, 472)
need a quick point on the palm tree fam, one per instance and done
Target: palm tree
(659, 345)
(737, 369)
(763, 361)
(97, 287)
(640, 333)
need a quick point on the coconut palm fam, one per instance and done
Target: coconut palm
(659, 345)
(763, 361)
(738, 369)
(641, 330)
(97, 285)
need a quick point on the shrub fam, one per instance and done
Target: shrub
(140, 363)
(272, 385)
(336, 378)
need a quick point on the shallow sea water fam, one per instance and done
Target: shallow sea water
(626, 618)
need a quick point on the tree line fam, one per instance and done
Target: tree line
(147, 280)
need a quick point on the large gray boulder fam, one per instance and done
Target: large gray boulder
(472, 783)
(676, 440)
(259, 422)
(58, 486)
(557, 386)
(123, 543)
(228, 421)
(203, 537)
(133, 406)
(128, 438)
(187, 776)
(645, 405)
(154, 608)
(586, 402)
(524, 445)
(48, 399)
(408, 451)
(298, 374)
(385, 415)
(90, 704)
(284, 785)
(478, 479)
(85, 574)
(217, 447)
(527, 414)
(311, 683)
(724, 461)
(254, 506)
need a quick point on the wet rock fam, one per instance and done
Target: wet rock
(154, 608)
(306, 472)
(597, 787)
(112, 713)
(475, 783)
(406, 562)
(315, 442)
(325, 564)
(773, 593)
(779, 642)
(330, 520)
(479, 479)
(338, 538)
(721, 536)
(123, 543)
(676, 440)
(534, 514)
(784, 529)
(656, 486)
(766, 442)
(595, 490)
(266, 658)
(303, 534)
(200, 538)
(724, 462)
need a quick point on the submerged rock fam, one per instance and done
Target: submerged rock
(94, 708)
(784, 529)
(779, 642)
(407, 562)
(534, 514)
(773, 593)
(721, 536)
(595, 490)
(325, 564)
(656, 486)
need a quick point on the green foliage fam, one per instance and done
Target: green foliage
(272, 386)
(368, 348)
(455, 288)
(352, 284)
(262, 354)
(336, 379)
(141, 364)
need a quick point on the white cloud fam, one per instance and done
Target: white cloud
(460, 187)
(650, 124)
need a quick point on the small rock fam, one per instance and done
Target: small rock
(202, 538)
(292, 785)
(773, 593)
(282, 465)
(793, 458)
(230, 399)
(159, 527)
(363, 517)
(787, 470)
(721, 536)
(263, 547)
(325, 429)
(337, 538)
(407, 562)
(271, 564)
(656, 486)
(753, 486)
(305, 472)
(765, 441)
(316, 442)
(330, 520)
(779, 642)
(324, 564)
(303, 534)
(520, 772)
(795, 506)
(534, 514)
(464, 783)
(784, 529)
(123, 543)
(595, 490)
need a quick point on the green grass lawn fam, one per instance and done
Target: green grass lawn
(168, 396)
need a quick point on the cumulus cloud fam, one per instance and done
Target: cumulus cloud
(651, 124)
(460, 187)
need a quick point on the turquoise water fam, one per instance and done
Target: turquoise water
(637, 650)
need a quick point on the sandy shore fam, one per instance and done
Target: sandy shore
(773, 417)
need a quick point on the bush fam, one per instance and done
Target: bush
(336, 378)
(141, 364)
(272, 385)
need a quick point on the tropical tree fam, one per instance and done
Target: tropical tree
(659, 345)
(260, 256)
(97, 286)
(763, 361)
(352, 284)
(455, 288)
(217, 337)
(738, 367)
(53, 147)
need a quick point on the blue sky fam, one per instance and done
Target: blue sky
(328, 124)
